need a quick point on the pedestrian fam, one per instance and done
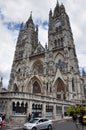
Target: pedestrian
(32, 116)
(29, 117)
(62, 115)
(3, 124)
(74, 117)
(0, 121)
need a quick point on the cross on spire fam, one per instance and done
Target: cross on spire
(31, 14)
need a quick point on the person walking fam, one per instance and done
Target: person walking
(29, 117)
(32, 116)
(0, 121)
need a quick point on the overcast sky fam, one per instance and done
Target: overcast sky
(14, 12)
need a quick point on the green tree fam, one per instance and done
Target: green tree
(81, 109)
(71, 110)
(76, 110)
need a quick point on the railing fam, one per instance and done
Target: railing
(30, 96)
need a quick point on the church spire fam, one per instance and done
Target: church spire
(57, 9)
(31, 15)
(30, 20)
(50, 13)
(1, 82)
(57, 3)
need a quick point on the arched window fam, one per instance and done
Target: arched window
(22, 88)
(58, 42)
(33, 105)
(47, 86)
(22, 107)
(55, 43)
(60, 89)
(61, 42)
(13, 107)
(73, 87)
(19, 108)
(19, 70)
(36, 87)
(60, 85)
(50, 89)
(26, 106)
(15, 88)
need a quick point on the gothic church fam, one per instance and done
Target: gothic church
(44, 80)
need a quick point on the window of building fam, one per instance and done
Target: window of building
(55, 43)
(19, 108)
(60, 89)
(47, 86)
(58, 110)
(19, 70)
(37, 109)
(73, 87)
(49, 110)
(50, 89)
(15, 89)
(36, 87)
(22, 88)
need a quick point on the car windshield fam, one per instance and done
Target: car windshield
(33, 121)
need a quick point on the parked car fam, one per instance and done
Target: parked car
(84, 120)
(38, 124)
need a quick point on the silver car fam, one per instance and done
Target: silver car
(38, 124)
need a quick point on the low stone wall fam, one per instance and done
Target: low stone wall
(17, 119)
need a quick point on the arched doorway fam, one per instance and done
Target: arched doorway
(60, 89)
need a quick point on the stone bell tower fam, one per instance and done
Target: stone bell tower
(62, 48)
(26, 45)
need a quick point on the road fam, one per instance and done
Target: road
(57, 125)
(68, 125)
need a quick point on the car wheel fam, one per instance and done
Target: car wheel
(34, 128)
(50, 127)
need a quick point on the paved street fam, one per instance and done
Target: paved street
(57, 125)
(67, 125)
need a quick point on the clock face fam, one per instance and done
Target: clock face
(58, 24)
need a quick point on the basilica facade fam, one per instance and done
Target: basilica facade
(44, 80)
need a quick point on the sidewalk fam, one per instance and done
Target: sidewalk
(64, 118)
(13, 126)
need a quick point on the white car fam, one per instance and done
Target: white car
(38, 124)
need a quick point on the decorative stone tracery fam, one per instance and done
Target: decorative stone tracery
(38, 66)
